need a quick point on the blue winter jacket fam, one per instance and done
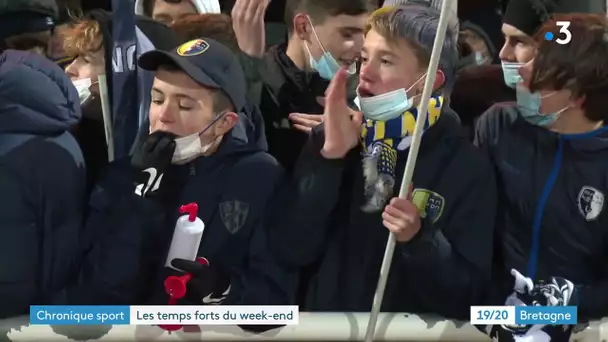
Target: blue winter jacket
(42, 182)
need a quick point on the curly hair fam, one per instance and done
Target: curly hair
(82, 38)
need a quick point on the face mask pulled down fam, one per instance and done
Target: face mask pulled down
(387, 106)
(190, 147)
(83, 87)
(326, 66)
(510, 72)
(529, 104)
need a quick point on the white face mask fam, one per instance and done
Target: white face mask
(190, 147)
(83, 87)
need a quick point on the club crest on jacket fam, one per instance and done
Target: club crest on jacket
(429, 203)
(590, 202)
(234, 215)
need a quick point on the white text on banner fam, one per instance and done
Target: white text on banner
(489, 315)
(215, 315)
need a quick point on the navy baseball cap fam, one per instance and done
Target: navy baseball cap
(15, 23)
(207, 62)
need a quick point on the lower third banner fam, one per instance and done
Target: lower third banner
(159, 315)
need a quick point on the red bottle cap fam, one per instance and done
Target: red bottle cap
(191, 209)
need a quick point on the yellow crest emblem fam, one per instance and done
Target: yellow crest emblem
(193, 48)
(429, 203)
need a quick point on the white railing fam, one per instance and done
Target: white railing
(312, 327)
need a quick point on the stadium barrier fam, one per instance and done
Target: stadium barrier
(312, 327)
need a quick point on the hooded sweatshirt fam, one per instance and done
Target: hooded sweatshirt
(231, 187)
(202, 6)
(42, 181)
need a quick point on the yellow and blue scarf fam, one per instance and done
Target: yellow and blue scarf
(381, 141)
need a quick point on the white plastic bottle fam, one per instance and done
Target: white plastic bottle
(186, 236)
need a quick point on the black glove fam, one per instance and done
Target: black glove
(150, 162)
(207, 285)
(556, 291)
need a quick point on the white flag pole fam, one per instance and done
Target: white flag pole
(107, 114)
(411, 163)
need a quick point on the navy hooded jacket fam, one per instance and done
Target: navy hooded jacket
(42, 181)
(320, 228)
(552, 219)
(130, 235)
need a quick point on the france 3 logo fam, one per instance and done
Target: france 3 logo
(564, 35)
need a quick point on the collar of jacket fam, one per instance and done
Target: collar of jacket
(588, 142)
(447, 127)
(302, 79)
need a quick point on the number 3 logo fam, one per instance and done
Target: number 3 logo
(563, 25)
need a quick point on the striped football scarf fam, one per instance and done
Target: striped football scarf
(381, 140)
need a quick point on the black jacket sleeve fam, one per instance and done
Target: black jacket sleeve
(453, 264)
(42, 191)
(592, 301)
(17, 242)
(120, 231)
(299, 228)
(492, 122)
(261, 280)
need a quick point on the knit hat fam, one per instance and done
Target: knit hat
(528, 15)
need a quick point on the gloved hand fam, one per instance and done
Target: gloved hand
(552, 292)
(524, 291)
(207, 286)
(522, 296)
(556, 291)
(150, 161)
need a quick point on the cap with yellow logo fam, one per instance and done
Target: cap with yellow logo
(207, 62)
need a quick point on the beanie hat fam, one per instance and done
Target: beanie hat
(528, 15)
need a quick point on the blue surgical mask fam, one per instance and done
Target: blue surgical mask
(326, 66)
(511, 74)
(386, 106)
(480, 58)
(529, 105)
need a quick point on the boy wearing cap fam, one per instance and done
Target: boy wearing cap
(27, 25)
(200, 149)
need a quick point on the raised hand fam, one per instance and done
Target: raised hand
(248, 26)
(342, 124)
